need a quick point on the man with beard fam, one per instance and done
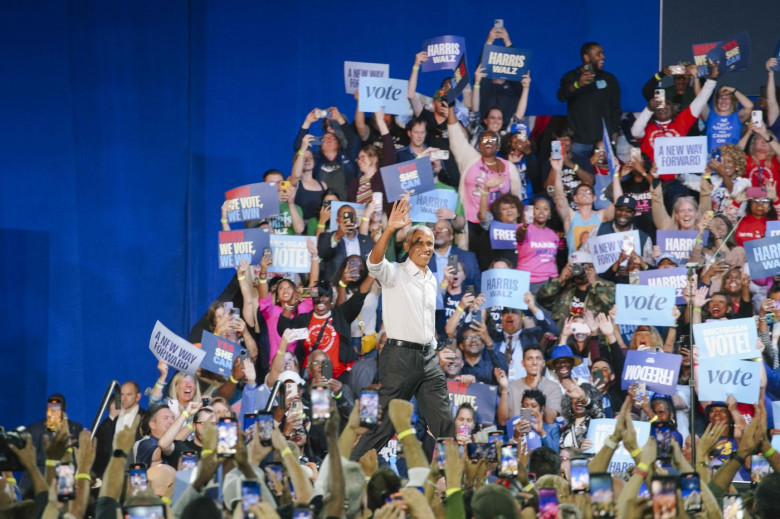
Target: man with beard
(625, 210)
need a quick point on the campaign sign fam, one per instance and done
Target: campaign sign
(425, 205)
(505, 287)
(415, 176)
(700, 51)
(776, 415)
(601, 428)
(719, 378)
(218, 354)
(290, 254)
(763, 257)
(245, 244)
(252, 202)
(658, 370)
(777, 57)
(388, 95)
(678, 243)
(502, 235)
(772, 228)
(676, 278)
(354, 70)
(178, 353)
(730, 339)
(334, 212)
(505, 62)
(733, 54)
(444, 53)
(460, 79)
(482, 398)
(603, 181)
(606, 248)
(644, 305)
(678, 155)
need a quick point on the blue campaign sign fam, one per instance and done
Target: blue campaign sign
(729, 339)
(601, 428)
(444, 52)
(505, 287)
(505, 62)
(177, 352)
(245, 244)
(644, 305)
(219, 354)
(502, 235)
(676, 278)
(678, 243)
(700, 51)
(290, 254)
(772, 228)
(425, 205)
(733, 54)
(460, 79)
(253, 202)
(482, 398)
(719, 378)
(334, 212)
(415, 176)
(763, 257)
(386, 94)
(658, 370)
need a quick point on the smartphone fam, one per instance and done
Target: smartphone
(732, 506)
(137, 476)
(602, 495)
(369, 408)
(759, 468)
(320, 404)
(53, 414)
(755, 192)
(556, 150)
(349, 217)
(580, 328)
(440, 155)
(640, 392)
(144, 512)
(66, 481)
(644, 493)
(250, 495)
(469, 289)
(498, 23)
(628, 244)
(227, 306)
(303, 513)
(664, 490)
(377, 198)
(290, 392)
(227, 437)
(284, 185)
(451, 343)
(495, 436)
(757, 117)
(677, 70)
(206, 401)
(327, 369)
(277, 469)
(548, 503)
(296, 407)
(663, 438)
(250, 419)
(598, 377)
(268, 254)
(441, 451)
(189, 460)
(305, 292)
(525, 414)
(690, 491)
(636, 154)
(528, 214)
(508, 468)
(588, 67)
(580, 477)
(660, 96)
(452, 261)
(716, 155)
(317, 140)
(477, 451)
(353, 264)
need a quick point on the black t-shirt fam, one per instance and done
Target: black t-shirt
(578, 302)
(179, 448)
(640, 191)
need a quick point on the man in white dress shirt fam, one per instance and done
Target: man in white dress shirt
(118, 419)
(408, 365)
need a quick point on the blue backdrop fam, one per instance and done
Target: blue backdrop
(124, 122)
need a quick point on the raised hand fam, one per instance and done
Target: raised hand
(399, 216)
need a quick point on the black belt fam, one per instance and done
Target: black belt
(424, 348)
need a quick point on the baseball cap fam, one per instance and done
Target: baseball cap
(580, 256)
(626, 201)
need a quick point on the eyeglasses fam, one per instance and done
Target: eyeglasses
(472, 338)
(584, 192)
(488, 139)
(316, 363)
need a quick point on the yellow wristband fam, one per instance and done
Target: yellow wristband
(233, 380)
(206, 452)
(51, 463)
(657, 77)
(576, 167)
(695, 309)
(320, 226)
(766, 454)
(342, 284)
(653, 419)
(576, 85)
(460, 308)
(286, 451)
(262, 281)
(528, 487)
(443, 284)
(477, 85)
(363, 218)
(642, 466)
(82, 475)
(300, 152)
(416, 67)
(11, 480)
(403, 434)
(241, 278)
(451, 491)
(223, 220)
(636, 452)
(190, 427)
(166, 500)
(160, 384)
(185, 414)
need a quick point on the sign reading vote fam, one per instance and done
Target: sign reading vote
(658, 370)
(606, 248)
(290, 254)
(246, 244)
(354, 70)
(415, 176)
(334, 212)
(678, 155)
(729, 339)
(733, 54)
(678, 243)
(719, 378)
(444, 52)
(638, 304)
(763, 257)
(502, 235)
(505, 287)
(482, 398)
(600, 429)
(388, 95)
(676, 278)
(425, 205)
(178, 353)
(218, 354)
(252, 202)
(505, 62)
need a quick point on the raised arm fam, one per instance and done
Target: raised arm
(399, 217)
(360, 119)
(522, 103)
(297, 170)
(772, 108)
(479, 75)
(561, 203)
(248, 311)
(417, 106)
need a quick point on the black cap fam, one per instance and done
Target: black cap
(626, 201)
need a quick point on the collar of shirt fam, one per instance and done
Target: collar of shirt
(414, 270)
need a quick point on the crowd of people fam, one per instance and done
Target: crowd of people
(338, 405)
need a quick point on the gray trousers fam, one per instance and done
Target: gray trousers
(404, 373)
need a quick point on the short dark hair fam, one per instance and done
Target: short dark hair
(560, 133)
(544, 461)
(535, 394)
(532, 347)
(767, 495)
(383, 483)
(466, 405)
(605, 360)
(272, 172)
(587, 46)
(414, 122)
(203, 507)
